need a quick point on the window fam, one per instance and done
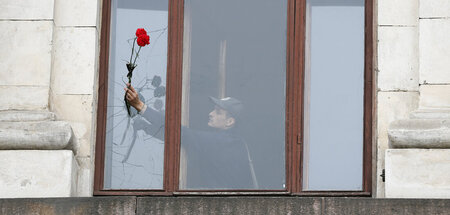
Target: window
(241, 97)
(334, 95)
(134, 156)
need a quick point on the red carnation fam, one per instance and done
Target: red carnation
(140, 31)
(143, 40)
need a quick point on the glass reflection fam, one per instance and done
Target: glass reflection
(334, 99)
(233, 105)
(134, 152)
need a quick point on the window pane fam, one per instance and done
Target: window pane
(334, 82)
(134, 147)
(233, 106)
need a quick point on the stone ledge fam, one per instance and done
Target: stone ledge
(41, 135)
(21, 116)
(63, 206)
(224, 205)
(289, 205)
(426, 128)
(440, 113)
(420, 133)
(228, 205)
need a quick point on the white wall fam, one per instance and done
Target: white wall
(413, 64)
(434, 46)
(49, 60)
(25, 53)
(398, 70)
(73, 85)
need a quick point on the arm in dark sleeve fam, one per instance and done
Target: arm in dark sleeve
(156, 118)
(156, 129)
(153, 116)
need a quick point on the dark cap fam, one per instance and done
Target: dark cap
(230, 104)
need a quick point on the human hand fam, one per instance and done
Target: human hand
(133, 97)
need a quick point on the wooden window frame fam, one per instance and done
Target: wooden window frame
(295, 61)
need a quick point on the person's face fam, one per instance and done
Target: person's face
(219, 118)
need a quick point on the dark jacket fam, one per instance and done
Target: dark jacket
(215, 159)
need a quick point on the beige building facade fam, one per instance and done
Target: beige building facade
(49, 68)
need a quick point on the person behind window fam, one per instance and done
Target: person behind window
(217, 159)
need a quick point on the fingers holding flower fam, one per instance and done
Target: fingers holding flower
(133, 97)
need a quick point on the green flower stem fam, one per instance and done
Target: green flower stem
(132, 65)
(132, 49)
(137, 54)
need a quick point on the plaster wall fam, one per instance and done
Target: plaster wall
(37, 173)
(413, 53)
(25, 53)
(73, 79)
(397, 72)
(48, 61)
(418, 173)
(434, 45)
(57, 68)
